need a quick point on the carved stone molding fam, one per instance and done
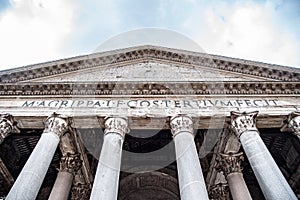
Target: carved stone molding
(81, 188)
(242, 122)
(146, 88)
(145, 53)
(116, 125)
(6, 126)
(230, 163)
(219, 191)
(56, 124)
(181, 123)
(292, 124)
(80, 191)
(70, 163)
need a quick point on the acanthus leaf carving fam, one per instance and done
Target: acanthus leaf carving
(181, 123)
(56, 124)
(230, 163)
(7, 124)
(292, 123)
(116, 125)
(242, 122)
(70, 163)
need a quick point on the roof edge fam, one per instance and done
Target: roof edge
(145, 51)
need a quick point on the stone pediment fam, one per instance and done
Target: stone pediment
(149, 63)
(152, 71)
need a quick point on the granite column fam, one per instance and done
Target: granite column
(108, 170)
(272, 183)
(230, 164)
(191, 181)
(29, 181)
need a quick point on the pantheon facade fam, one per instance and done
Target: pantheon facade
(150, 122)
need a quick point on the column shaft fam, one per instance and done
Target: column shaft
(272, 183)
(62, 186)
(191, 180)
(70, 163)
(238, 187)
(231, 165)
(29, 181)
(106, 180)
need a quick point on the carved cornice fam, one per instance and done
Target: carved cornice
(146, 53)
(219, 191)
(292, 124)
(7, 124)
(70, 163)
(230, 163)
(180, 124)
(146, 88)
(242, 122)
(116, 125)
(56, 124)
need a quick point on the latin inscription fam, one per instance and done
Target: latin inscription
(162, 103)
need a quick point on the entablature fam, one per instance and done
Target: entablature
(151, 88)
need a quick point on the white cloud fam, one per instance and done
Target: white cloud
(247, 30)
(34, 31)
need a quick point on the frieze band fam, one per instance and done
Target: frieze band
(162, 103)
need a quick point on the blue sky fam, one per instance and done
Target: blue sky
(33, 31)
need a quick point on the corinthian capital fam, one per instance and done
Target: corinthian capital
(70, 163)
(292, 124)
(56, 124)
(230, 163)
(6, 126)
(116, 125)
(180, 124)
(242, 122)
